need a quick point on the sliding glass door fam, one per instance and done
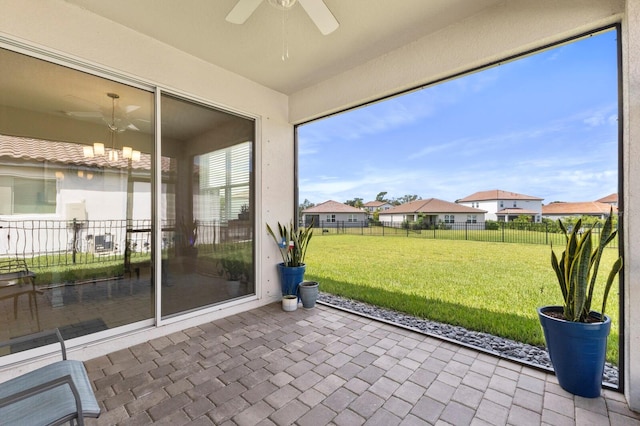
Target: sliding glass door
(75, 200)
(207, 206)
(77, 217)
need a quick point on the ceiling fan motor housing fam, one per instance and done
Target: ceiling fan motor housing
(283, 4)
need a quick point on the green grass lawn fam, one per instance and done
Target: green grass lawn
(489, 287)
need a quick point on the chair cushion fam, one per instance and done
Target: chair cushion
(53, 405)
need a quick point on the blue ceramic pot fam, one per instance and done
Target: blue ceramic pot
(290, 277)
(577, 351)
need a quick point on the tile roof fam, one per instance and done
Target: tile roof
(331, 206)
(66, 153)
(375, 203)
(498, 194)
(515, 210)
(431, 205)
(586, 208)
(611, 198)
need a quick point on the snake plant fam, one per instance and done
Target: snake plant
(577, 268)
(292, 242)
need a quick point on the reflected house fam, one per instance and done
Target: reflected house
(47, 196)
(213, 106)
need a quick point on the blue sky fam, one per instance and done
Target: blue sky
(544, 125)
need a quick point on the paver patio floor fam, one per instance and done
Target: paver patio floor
(325, 366)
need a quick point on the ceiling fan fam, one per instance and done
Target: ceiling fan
(316, 9)
(116, 117)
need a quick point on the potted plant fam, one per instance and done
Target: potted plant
(576, 336)
(289, 302)
(292, 243)
(308, 293)
(234, 267)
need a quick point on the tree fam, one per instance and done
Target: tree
(356, 202)
(306, 204)
(408, 198)
(523, 218)
(380, 196)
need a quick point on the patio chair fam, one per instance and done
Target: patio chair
(51, 395)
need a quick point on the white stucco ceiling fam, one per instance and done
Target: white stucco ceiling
(368, 29)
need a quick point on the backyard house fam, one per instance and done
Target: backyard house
(218, 104)
(379, 206)
(332, 214)
(505, 206)
(611, 199)
(432, 212)
(560, 210)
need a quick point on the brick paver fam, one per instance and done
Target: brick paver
(324, 366)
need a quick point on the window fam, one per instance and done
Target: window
(27, 196)
(352, 218)
(331, 218)
(449, 218)
(501, 204)
(472, 218)
(224, 175)
(515, 203)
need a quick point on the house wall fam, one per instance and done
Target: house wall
(95, 41)
(342, 219)
(391, 219)
(74, 199)
(493, 206)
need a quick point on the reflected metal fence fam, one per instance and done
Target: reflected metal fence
(50, 243)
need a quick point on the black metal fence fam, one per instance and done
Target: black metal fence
(48, 243)
(503, 232)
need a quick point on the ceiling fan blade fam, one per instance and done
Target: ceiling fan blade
(242, 10)
(84, 114)
(320, 15)
(130, 108)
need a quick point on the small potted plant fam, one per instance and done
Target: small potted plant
(308, 293)
(289, 302)
(576, 336)
(292, 243)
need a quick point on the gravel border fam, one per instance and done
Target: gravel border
(530, 355)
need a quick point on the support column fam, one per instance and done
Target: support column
(631, 179)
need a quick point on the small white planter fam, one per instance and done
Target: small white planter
(289, 303)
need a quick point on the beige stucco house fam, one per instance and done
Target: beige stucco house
(207, 95)
(433, 212)
(560, 210)
(333, 214)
